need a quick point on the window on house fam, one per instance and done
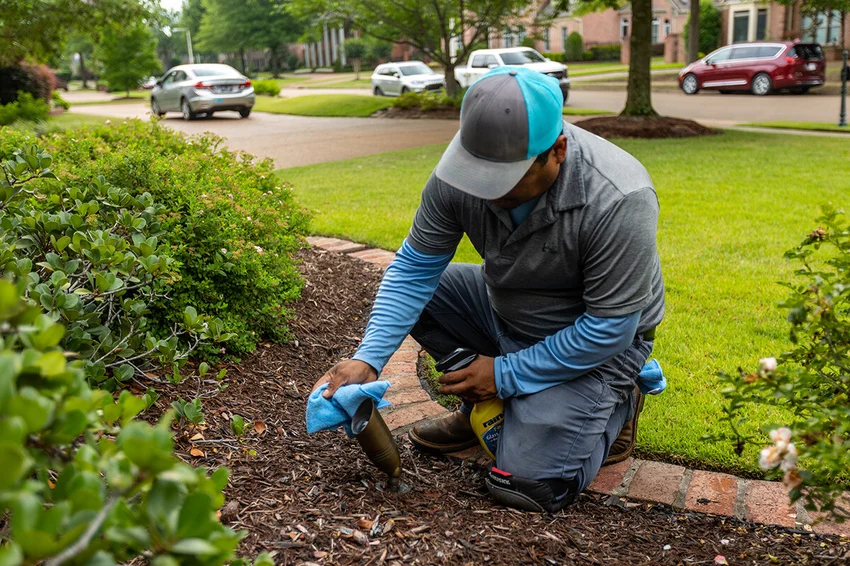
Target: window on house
(668, 28)
(624, 28)
(655, 30)
(740, 27)
(508, 38)
(761, 24)
(822, 28)
(563, 39)
(546, 40)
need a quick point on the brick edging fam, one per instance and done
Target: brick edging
(640, 480)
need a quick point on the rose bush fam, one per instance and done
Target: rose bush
(811, 454)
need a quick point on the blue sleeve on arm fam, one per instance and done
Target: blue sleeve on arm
(565, 355)
(407, 286)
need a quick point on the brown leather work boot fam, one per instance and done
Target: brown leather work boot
(447, 433)
(625, 443)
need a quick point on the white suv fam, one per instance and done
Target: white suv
(483, 60)
(393, 79)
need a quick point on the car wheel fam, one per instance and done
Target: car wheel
(378, 91)
(725, 92)
(188, 113)
(245, 112)
(155, 109)
(690, 84)
(762, 84)
(404, 90)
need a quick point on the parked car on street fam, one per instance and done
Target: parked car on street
(483, 60)
(760, 68)
(149, 82)
(202, 89)
(393, 79)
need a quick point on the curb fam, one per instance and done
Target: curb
(639, 480)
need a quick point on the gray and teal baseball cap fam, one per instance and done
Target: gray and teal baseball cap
(508, 117)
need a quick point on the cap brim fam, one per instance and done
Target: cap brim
(479, 177)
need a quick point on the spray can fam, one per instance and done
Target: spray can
(487, 417)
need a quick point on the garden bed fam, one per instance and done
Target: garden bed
(416, 113)
(645, 128)
(317, 499)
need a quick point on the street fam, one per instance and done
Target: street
(296, 140)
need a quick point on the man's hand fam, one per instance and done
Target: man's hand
(474, 383)
(346, 372)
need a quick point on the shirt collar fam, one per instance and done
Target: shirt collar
(569, 186)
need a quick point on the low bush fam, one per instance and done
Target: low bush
(229, 227)
(82, 480)
(268, 87)
(812, 381)
(559, 57)
(428, 101)
(606, 52)
(59, 101)
(25, 108)
(574, 49)
(36, 80)
(657, 49)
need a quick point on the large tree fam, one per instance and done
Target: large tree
(430, 27)
(38, 29)
(128, 55)
(234, 26)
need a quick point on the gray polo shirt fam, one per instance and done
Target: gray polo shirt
(588, 245)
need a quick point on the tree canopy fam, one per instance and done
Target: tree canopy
(128, 55)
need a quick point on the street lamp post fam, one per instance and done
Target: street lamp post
(845, 71)
(188, 42)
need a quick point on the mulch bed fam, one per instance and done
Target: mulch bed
(645, 128)
(318, 500)
(419, 114)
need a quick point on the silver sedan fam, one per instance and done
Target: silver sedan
(202, 89)
(393, 79)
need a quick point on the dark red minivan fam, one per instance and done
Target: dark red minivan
(757, 67)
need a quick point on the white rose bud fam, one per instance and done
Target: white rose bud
(768, 364)
(781, 436)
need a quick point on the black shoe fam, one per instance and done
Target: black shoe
(530, 495)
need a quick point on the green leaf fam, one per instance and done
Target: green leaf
(194, 546)
(15, 465)
(51, 364)
(264, 559)
(11, 555)
(150, 398)
(237, 425)
(50, 336)
(124, 372)
(203, 369)
(32, 407)
(101, 558)
(196, 515)
(220, 477)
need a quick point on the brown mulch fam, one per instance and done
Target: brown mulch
(645, 128)
(419, 114)
(317, 500)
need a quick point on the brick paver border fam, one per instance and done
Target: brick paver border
(640, 480)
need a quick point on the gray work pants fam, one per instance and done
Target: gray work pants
(563, 432)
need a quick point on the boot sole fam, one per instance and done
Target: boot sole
(426, 446)
(510, 498)
(617, 458)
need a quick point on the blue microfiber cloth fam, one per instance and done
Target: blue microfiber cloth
(651, 380)
(330, 414)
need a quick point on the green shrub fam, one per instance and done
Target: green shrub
(812, 381)
(59, 101)
(269, 87)
(558, 57)
(428, 101)
(91, 257)
(230, 226)
(588, 56)
(709, 28)
(606, 52)
(574, 49)
(37, 80)
(25, 108)
(82, 481)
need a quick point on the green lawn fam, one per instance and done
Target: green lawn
(568, 111)
(350, 83)
(814, 126)
(350, 105)
(62, 122)
(596, 68)
(119, 98)
(722, 234)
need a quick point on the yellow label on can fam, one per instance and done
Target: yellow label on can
(486, 420)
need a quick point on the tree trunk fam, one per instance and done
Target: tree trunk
(244, 61)
(83, 69)
(275, 61)
(356, 64)
(452, 88)
(693, 32)
(639, 98)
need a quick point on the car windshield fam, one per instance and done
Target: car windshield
(522, 57)
(416, 69)
(215, 71)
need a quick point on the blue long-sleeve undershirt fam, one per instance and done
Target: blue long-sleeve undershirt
(410, 282)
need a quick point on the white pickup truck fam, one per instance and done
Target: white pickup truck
(483, 60)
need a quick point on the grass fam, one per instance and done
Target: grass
(338, 105)
(62, 121)
(812, 126)
(350, 83)
(586, 69)
(569, 111)
(120, 98)
(722, 234)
